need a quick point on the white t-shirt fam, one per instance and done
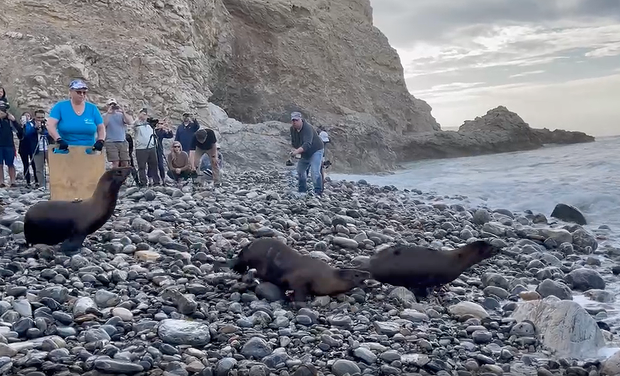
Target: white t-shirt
(324, 136)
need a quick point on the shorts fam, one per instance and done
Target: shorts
(7, 155)
(117, 151)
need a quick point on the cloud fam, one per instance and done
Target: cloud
(524, 74)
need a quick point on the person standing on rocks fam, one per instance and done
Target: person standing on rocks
(146, 153)
(205, 142)
(162, 131)
(76, 121)
(309, 146)
(8, 124)
(27, 146)
(185, 132)
(116, 121)
(40, 152)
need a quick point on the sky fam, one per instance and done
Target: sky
(556, 63)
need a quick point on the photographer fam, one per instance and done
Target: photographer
(39, 155)
(145, 146)
(27, 144)
(8, 125)
(162, 130)
(116, 146)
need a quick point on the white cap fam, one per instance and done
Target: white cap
(112, 100)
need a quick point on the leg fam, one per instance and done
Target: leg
(302, 165)
(152, 162)
(72, 245)
(34, 169)
(160, 166)
(23, 154)
(123, 153)
(111, 151)
(215, 168)
(9, 162)
(141, 158)
(39, 162)
(316, 160)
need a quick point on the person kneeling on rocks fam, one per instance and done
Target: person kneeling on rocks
(178, 164)
(310, 147)
(205, 163)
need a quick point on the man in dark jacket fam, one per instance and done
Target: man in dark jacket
(185, 132)
(309, 146)
(8, 125)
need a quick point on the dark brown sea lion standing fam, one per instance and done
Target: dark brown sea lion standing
(281, 265)
(69, 222)
(420, 268)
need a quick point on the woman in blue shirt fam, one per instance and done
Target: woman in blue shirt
(76, 121)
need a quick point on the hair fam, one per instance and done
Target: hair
(3, 93)
(26, 112)
(39, 111)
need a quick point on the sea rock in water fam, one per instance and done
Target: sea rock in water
(611, 366)
(565, 327)
(584, 279)
(568, 213)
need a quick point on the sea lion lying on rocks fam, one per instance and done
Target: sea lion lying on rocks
(283, 266)
(420, 268)
(69, 222)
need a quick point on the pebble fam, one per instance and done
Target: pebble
(145, 296)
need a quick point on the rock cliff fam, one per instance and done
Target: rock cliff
(256, 59)
(500, 130)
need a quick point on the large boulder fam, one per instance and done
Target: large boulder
(565, 327)
(568, 213)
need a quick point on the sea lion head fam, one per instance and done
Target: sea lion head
(482, 249)
(356, 277)
(115, 177)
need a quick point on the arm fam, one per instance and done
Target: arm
(169, 159)
(306, 135)
(127, 118)
(100, 126)
(52, 122)
(187, 166)
(176, 136)
(192, 152)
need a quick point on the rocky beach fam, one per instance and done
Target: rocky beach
(143, 296)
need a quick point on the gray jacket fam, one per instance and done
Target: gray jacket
(306, 138)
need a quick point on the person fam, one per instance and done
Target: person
(204, 142)
(3, 97)
(162, 131)
(205, 162)
(27, 146)
(185, 132)
(309, 146)
(40, 152)
(75, 121)
(116, 146)
(8, 125)
(146, 154)
(325, 138)
(178, 164)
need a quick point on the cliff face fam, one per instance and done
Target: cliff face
(257, 59)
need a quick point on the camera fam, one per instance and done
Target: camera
(152, 122)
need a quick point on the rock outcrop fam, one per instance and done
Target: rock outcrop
(500, 130)
(258, 60)
(565, 327)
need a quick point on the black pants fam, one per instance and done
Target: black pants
(28, 160)
(146, 157)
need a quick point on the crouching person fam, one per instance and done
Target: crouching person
(179, 167)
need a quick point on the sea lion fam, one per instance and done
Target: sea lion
(420, 268)
(69, 222)
(283, 266)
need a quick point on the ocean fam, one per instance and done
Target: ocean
(586, 176)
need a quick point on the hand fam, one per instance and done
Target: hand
(292, 153)
(11, 117)
(98, 145)
(177, 170)
(62, 144)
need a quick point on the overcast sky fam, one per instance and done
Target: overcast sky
(554, 62)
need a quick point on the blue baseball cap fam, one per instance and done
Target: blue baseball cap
(78, 85)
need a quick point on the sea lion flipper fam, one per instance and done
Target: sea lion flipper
(72, 244)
